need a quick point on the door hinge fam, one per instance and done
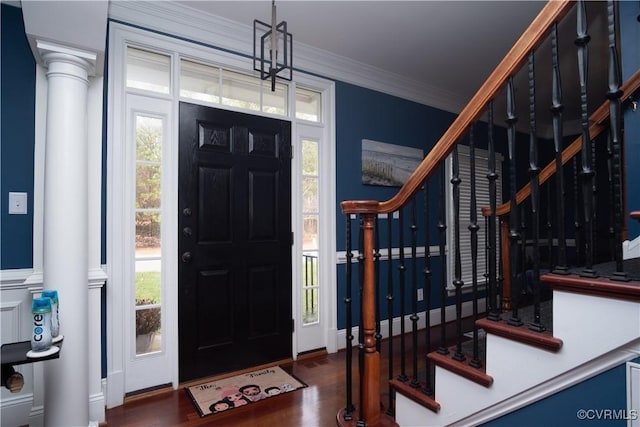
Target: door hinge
(292, 238)
(293, 325)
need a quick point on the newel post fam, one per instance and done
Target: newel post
(371, 377)
(369, 406)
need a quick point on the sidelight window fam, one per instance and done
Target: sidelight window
(148, 239)
(310, 237)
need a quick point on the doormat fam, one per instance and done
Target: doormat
(226, 394)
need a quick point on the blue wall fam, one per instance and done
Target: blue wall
(630, 41)
(366, 114)
(17, 103)
(604, 391)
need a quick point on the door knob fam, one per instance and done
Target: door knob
(186, 257)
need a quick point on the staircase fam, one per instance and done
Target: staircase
(559, 234)
(523, 373)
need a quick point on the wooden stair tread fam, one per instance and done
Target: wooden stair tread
(597, 286)
(415, 394)
(523, 334)
(462, 368)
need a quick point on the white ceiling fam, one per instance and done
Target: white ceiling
(435, 52)
(432, 42)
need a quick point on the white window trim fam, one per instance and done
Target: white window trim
(119, 189)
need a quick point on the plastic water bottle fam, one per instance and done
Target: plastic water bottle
(55, 320)
(41, 331)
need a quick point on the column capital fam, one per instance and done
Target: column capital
(53, 52)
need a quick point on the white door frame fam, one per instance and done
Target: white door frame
(119, 189)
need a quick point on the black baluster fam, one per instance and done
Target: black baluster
(414, 293)
(376, 266)
(611, 201)
(615, 118)
(492, 176)
(513, 213)
(500, 285)
(348, 414)
(557, 108)
(442, 233)
(534, 179)
(587, 173)
(457, 279)
(577, 222)
(473, 229)
(361, 322)
(391, 410)
(549, 227)
(427, 288)
(401, 269)
(523, 252)
(487, 249)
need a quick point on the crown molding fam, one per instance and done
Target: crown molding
(189, 24)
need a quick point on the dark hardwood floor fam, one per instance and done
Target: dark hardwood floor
(313, 406)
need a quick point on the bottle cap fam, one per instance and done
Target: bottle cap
(41, 305)
(51, 294)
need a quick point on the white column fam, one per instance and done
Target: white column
(65, 258)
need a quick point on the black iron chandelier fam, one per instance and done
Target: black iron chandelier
(278, 42)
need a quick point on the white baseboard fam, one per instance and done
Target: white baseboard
(114, 389)
(97, 406)
(36, 416)
(434, 314)
(15, 410)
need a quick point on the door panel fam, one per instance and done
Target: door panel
(235, 241)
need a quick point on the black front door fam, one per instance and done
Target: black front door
(234, 226)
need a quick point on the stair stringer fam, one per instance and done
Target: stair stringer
(590, 327)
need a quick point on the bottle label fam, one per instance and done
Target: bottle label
(41, 337)
(55, 323)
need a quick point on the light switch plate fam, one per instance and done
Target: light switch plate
(17, 203)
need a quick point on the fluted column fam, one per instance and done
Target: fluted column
(65, 234)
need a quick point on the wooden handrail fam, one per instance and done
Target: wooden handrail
(598, 119)
(510, 64)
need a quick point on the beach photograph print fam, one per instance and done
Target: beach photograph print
(388, 165)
